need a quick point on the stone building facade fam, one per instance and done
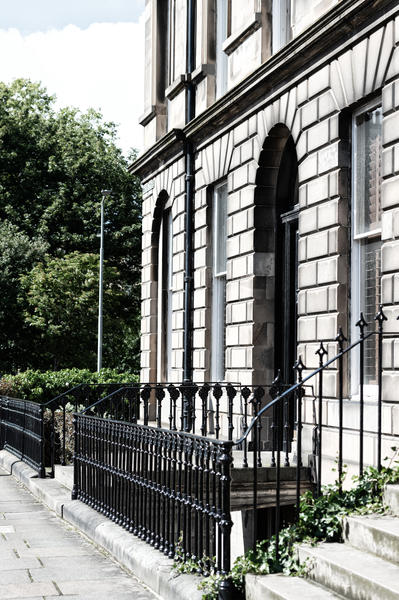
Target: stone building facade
(295, 226)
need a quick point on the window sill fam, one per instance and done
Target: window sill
(370, 395)
(201, 72)
(237, 38)
(150, 113)
(177, 86)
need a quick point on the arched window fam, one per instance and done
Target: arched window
(162, 244)
(165, 292)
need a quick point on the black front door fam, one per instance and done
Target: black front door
(286, 273)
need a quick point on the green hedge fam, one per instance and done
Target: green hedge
(42, 386)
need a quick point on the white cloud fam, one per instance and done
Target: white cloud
(99, 67)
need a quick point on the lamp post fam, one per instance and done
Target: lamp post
(104, 193)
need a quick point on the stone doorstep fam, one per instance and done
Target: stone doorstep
(282, 587)
(146, 563)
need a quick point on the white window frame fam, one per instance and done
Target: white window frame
(221, 58)
(281, 24)
(218, 306)
(369, 391)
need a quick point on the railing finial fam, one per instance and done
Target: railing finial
(299, 367)
(380, 317)
(341, 339)
(321, 351)
(276, 386)
(362, 323)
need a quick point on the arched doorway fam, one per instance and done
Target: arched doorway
(276, 238)
(286, 262)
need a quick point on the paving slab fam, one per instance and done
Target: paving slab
(146, 563)
(19, 591)
(43, 558)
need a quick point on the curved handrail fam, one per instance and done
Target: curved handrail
(67, 392)
(299, 384)
(80, 385)
(124, 387)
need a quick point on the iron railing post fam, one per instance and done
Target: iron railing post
(42, 469)
(361, 324)
(298, 368)
(321, 352)
(380, 318)
(226, 590)
(340, 339)
(75, 487)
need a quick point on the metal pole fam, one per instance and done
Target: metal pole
(101, 286)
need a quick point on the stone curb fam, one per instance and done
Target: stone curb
(147, 564)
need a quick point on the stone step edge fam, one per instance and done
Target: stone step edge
(335, 567)
(391, 498)
(147, 564)
(359, 533)
(257, 585)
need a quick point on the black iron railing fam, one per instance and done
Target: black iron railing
(164, 486)
(60, 410)
(42, 434)
(174, 489)
(214, 410)
(22, 431)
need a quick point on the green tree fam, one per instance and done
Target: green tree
(53, 166)
(18, 255)
(61, 296)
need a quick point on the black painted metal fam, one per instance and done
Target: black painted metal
(189, 201)
(161, 482)
(22, 431)
(157, 484)
(321, 352)
(299, 390)
(361, 324)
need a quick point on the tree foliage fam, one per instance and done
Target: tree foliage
(43, 386)
(53, 166)
(62, 305)
(18, 254)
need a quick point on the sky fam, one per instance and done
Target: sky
(89, 53)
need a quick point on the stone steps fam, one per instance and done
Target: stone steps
(280, 587)
(391, 498)
(352, 573)
(378, 535)
(364, 567)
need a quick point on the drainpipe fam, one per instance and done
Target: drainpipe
(190, 187)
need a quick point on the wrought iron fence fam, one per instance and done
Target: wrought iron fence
(215, 410)
(22, 431)
(169, 488)
(59, 440)
(174, 489)
(38, 433)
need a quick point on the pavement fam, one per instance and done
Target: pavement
(43, 558)
(149, 566)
